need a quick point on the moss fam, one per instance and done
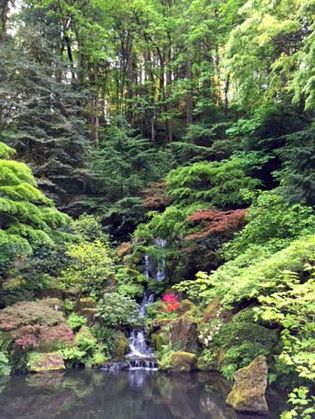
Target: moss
(179, 361)
(248, 393)
(44, 362)
(121, 345)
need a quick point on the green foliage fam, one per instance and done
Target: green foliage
(118, 310)
(91, 268)
(254, 273)
(29, 219)
(123, 164)
(86, 351)
(129, 282)
(218, 183)
(302, 403)
(292, 307)
(273, 223)
(5, 367)
(75, 321)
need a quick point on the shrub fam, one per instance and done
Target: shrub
(91, 267)
(118, 310)
(75, 321)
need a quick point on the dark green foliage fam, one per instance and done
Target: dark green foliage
(41, 112)
(123, 164)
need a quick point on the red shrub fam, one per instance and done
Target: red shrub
(215, 221)
(171, 302)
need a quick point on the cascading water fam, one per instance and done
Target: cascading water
(141, 355)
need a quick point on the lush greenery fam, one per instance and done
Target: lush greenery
(170, 140)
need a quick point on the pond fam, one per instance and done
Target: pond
(83, 394)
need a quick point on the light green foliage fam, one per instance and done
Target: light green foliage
(75, 321)
(199, 186)
(292, 306)
(88, 228)
(28, 218)
(302, 403)
(273, 223)
(218, 183)
(91, 268)
(118, 310)
(86, 350)
(5, 367)
(254, 273)
(129, 282)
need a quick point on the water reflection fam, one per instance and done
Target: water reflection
(124, 395)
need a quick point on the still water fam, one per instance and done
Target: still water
(83, 394)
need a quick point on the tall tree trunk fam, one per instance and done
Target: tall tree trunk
(189, 96)
(4, 11)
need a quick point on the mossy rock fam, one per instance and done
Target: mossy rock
(85, 302)
(121, 344)
(187, 306)
(179, 362)
(248, 392)
(183, 334)
(123, 249)
(160, 323)
(45, 362)
(215, 311)
(158, 340)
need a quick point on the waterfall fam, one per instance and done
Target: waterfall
(141, 356)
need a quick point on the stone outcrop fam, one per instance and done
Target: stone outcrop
(248, 392)
(43, 362)
(183, 334)
(179, 362)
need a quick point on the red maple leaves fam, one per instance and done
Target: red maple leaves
(217, 221)
(171, 302)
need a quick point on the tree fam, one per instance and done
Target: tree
(28, 219)
(42, 110)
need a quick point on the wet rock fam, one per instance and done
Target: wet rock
(43, 362)
(183, 334)
(179, 361)
(121, 344)
(248, 392)
(115, 366)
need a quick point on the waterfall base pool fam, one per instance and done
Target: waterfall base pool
(82, 394)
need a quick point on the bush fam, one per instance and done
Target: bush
(91, 267)
(118, 310)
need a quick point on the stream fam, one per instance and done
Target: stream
(140, 356)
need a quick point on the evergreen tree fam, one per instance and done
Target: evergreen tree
(28, 219)
(42, 108)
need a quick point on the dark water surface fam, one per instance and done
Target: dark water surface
(124, 395)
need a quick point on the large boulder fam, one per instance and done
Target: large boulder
(179, 362)
(183, 334)
(248, 392)
(44, 362)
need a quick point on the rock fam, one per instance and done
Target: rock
(43, 362)
(248, 392)
(123, 249)
(179, 361)
(183, 334)
(86, 307)
(121, 344)
(214, 311)
(115, 366)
